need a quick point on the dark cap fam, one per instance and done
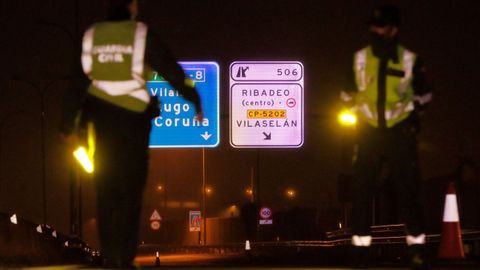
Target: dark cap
(384, 15)
(118, 10)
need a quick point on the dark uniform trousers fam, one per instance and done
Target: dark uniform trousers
(121, 162)
(396, 148)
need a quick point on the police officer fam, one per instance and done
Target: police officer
(117, 58)
(387, 90)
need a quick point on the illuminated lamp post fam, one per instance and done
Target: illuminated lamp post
(291, 193)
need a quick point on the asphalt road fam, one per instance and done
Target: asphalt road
(234, 262)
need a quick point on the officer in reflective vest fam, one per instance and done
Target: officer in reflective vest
(109, 91)
(386, 88)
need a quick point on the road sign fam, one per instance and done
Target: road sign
(177, 125)
(155, 216)
(195, 218)
(265, 216)
(155, 225)
(266, 104)
(265, 213)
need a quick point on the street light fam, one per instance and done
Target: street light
(291, 193)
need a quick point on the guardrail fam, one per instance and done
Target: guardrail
(25, 243)
(388, 245)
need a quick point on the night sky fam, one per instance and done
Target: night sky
(38, 48)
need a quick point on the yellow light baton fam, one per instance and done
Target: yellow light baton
(84, 156)
(347, 118)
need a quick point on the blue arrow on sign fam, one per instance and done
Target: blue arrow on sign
(177, 126)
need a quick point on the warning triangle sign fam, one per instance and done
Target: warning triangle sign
(155, 216)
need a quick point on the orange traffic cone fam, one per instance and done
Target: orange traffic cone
(451, 245)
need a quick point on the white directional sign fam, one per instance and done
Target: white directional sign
(266, 104)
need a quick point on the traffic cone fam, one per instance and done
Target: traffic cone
(451, 244)
(247, 246)
(157, 259)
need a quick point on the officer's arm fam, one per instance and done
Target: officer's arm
(421, 88)
(349, 90)
(73, 99)
(161, 59)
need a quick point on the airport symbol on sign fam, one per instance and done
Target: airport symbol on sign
(177, 125)
(266, 104)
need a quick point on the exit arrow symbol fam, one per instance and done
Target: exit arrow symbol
(206, 135)
(267, 136)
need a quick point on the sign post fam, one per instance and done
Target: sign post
(177, 126)
(266, 104)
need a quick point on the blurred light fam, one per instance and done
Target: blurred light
(340, 226)
(347, 118)
(160, 188)
(190, 204)
(291, 193)
(83, 158)
(54, 234)
(249, 191)
(13, 219)
(208, 190)
(39, 229)
(174, 204)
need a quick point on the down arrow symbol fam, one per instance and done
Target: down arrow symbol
(206, 135)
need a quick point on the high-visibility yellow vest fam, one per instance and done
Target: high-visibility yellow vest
(399, 92)
(113, 58)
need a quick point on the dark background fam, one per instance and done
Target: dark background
(39, 44)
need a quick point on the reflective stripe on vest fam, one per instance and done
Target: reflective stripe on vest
(87, 46)
(423, 99)
(399, 100)
(361, 62)
(134, 87)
